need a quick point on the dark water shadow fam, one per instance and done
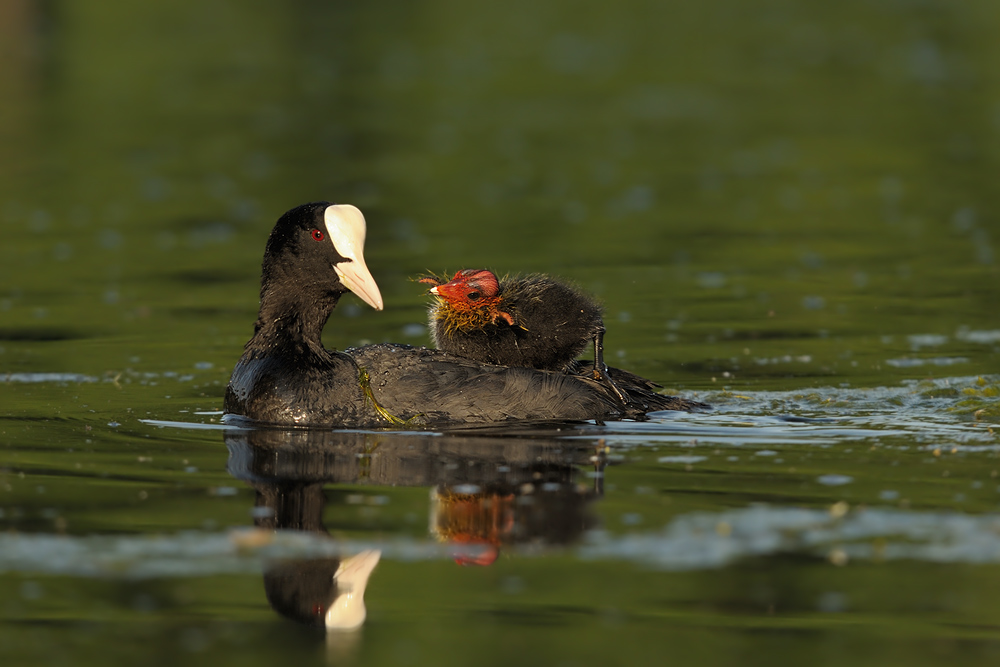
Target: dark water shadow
(41, 334)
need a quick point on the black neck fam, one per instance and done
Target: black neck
(293, 319)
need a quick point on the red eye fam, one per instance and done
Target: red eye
(318, 235)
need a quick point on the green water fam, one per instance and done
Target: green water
(788, 210)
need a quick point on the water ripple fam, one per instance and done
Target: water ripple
(714, 539)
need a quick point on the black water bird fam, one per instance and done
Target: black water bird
(314, 256)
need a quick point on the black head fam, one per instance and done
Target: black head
(318, 248)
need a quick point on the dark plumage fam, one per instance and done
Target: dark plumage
(286, 376)
(531, 321)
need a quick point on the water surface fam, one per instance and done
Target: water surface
(788, 211)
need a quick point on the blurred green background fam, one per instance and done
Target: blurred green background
(782, 191)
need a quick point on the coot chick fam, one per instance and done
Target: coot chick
(285, 375)
(530, 320)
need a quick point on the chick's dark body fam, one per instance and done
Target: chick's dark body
(535, 321)
(552, 324)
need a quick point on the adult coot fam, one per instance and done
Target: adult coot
(313, 256)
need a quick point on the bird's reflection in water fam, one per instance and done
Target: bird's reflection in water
(534, 504)
(490, 489)
(325, 592)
